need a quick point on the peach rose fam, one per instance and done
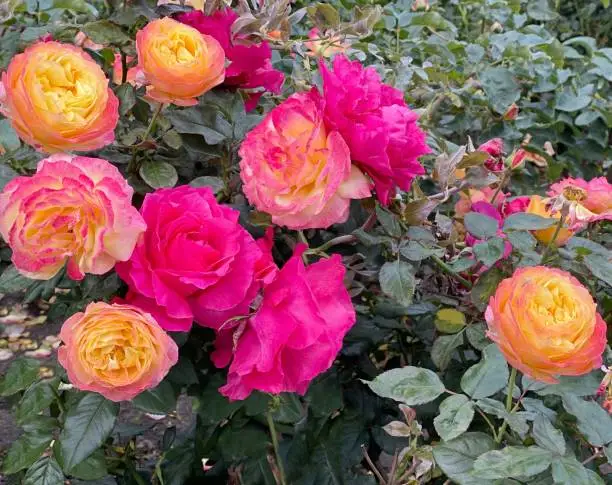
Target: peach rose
(471, 196)
(546, 324)
(58, 99)
(595, 195)
(115, 350)
(297, 170)
(324, 48)
(74, 209)
(178, 62)
(537, 205)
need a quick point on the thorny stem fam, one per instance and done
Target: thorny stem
(448, 270)
(279, 461)
(509, 409)
(373, 466)
(502, 182)
(551, 243)
(160, 106)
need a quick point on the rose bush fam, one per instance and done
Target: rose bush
(308, 243)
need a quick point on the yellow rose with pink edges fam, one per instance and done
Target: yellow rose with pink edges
(178, 62)
(74, 210)
(115, 350)
(546, 324)
(58, 99)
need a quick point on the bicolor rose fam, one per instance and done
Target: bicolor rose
(74, 210)
(58, 99)
(250, 65)
(195, 262)
(115, 350)
(297, 170)
(295, 334)
(593, 198)
(471, 196)
(380, 130)
(546, 324)
(539, 206)
(178, 62)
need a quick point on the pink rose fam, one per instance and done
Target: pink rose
(73, 209)
(297, 170)
(295, 334)
(597, 197)
(495, 148)
(195, 262)
(514, 205)
(379, 128)
(250, 64)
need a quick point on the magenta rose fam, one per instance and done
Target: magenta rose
(250, 65)
(294, 335)
(377, 125)
(194, 262)
(495, 148)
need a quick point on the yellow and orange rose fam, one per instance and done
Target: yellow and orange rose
(115, 350)
(58, 99)
(546, 324)
(178, 62)
(538, 205)
(74, 209)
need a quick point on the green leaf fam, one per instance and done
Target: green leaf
(480, 226)
(28, 447)
(522, 241)
(547, 436)
(36, 398)
(45, 471)
(87, 425)
(487, 377)
(521, 221)
(443, 348)
(105, 32)
(454, 418)
(92, 468)
(21, 373)
(485, 287)
(215, 183)
(566, 470)
(197, 121)
(501, 88)
(323, 15)
(9, 140)
(158, 174)
(397, 281)
(489, 252)
(12, 281)
(517, 421)
(127, 98)
(584, 385)
(410, 385)
(571, 102)
(512, 461)
(449, 320)
(477, 335)
(600, 266)
(540, 10)
(593, 421)
(160, 400)
(389, 222)
(456, 457)
(416, 251)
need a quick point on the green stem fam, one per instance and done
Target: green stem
(160, 106)
(448, 270)
(511, 382)
(551, 243)
(502, 182)
(279, 461)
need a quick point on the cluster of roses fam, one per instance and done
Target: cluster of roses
(186, 258)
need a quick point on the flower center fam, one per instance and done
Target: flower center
(66, 88)
(181, 48)
(573, 193)
(554, 303)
